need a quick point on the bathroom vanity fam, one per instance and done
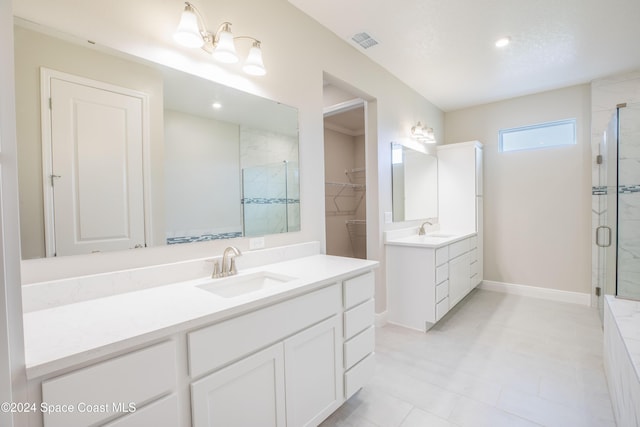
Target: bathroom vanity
(241, 350)
(428, 275)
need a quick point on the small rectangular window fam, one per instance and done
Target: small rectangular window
(543, 135)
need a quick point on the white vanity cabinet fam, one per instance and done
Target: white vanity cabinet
(288, 360)
(425, 282)
(461, 195)
(320, 352)
(122, 385)
(273, 382)
(359, 332)
(247, 393)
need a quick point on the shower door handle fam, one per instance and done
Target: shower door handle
(606, 245)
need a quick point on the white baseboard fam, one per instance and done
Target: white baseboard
(381, 319)
(536, 292)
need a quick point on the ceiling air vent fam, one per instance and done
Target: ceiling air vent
(364, 40)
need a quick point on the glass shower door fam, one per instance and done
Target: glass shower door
(617, 235)
(605, 208)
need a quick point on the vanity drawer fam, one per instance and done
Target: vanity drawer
(133, 378)
(442, 255)
(358, 347)
(442, 273)
(474, 268)
(162, 413)
(473, 242)
(473, 254)
(359, 318)
(441, 308)
(442, 291)
(358, 289)
(356, 377)
(219, 344)
(458, 248)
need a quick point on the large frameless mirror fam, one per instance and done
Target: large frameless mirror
(415, 184)
(116, 152)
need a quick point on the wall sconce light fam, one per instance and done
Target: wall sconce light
(192, 32)
(423, 134)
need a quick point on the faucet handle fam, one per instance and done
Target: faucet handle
(216, 270)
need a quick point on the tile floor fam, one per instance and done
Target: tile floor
(495, 360)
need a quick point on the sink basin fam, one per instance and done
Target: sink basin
(234, 286)
(441, 235)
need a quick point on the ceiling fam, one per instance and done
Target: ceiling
(445, 49)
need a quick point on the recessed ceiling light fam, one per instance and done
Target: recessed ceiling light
(502, 42)
(216, 105)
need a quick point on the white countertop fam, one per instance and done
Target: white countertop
(429, 240)
(68, 335)
(627, 316)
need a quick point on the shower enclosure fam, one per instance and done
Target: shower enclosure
(270, 198)
(617, 207)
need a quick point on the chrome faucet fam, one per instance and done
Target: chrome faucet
(228, 267)
(421, 232)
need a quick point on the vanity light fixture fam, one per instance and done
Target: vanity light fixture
(423, 134)
(192, 33)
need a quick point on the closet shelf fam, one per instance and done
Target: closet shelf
(343, 198)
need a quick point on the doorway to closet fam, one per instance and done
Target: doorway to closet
(345, 173)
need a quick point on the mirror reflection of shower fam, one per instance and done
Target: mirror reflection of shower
(270, 199)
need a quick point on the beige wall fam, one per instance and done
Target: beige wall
(35, 50)
(537, 203)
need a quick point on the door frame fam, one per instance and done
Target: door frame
(46, 74)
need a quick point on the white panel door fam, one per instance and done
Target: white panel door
(248, 393)
(313, 372)
(97, 172)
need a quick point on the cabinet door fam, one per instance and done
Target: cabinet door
(313, 371)
(459, 278)
(248, 393)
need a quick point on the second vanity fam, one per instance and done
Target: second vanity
(284, 343)
(428, 275)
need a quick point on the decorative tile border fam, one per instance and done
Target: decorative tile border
(203, 238)
(626, 189)
(266, 201)
(601, 190)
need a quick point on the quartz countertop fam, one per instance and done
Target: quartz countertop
(65, 336)
(429, 240)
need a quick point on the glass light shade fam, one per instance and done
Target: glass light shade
(254, 65)
(225, 50)
(188, 32)
(429, 136)
(417, 131)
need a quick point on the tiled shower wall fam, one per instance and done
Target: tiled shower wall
(271, 188)
(606, 94)
(629, 203)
